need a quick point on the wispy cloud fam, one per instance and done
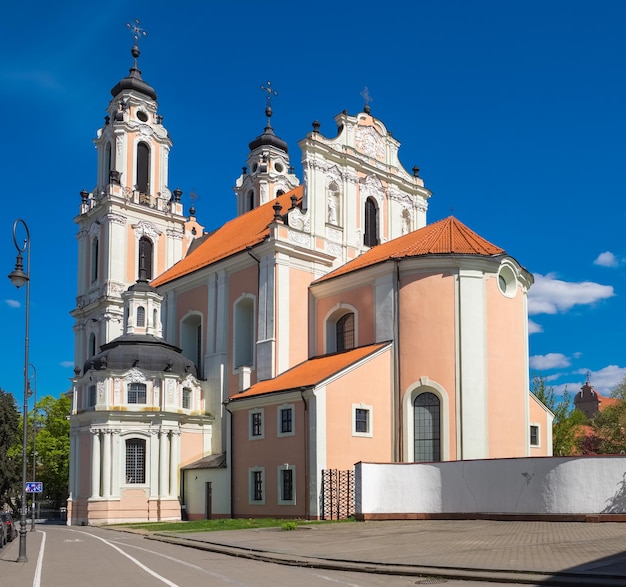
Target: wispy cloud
(603, 380)
(549, 361)
(66, 363)
(30, 80)
(534, 328)
(553, 296)
(606, 259)
(12, 303)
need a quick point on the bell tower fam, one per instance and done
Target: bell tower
(130, 221)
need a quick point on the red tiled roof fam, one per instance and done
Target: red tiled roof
(233, 237)
(311, 372)
(445, 237)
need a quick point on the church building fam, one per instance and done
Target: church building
(222, 374)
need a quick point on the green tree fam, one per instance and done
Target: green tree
(9, 434)
(53, 448)
(609, 425)
(568, 426)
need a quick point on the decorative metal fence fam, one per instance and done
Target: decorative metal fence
(337, 495)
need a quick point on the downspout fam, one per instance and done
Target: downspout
(229, 456)
(397, 400)
(307, 489)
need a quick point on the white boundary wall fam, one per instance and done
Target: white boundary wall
(526, 486)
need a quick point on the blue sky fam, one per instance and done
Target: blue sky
(514, 111)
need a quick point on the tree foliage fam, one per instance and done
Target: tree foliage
(9, 434)
(568, 425)
(609, 425)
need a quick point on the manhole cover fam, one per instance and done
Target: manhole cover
(432, 581)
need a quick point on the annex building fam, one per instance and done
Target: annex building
(327, 323)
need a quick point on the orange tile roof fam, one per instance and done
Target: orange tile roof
(233, 237)
(445, 237)
(311, 372)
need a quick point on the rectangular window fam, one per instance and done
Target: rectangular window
(92, 395)
(362, 420)
(186, 398)
(256, 430)
(136, 393)
(534, 435)
(286, 485)
(285, 420)
(135, 460)
(286, 417)
(256, 489)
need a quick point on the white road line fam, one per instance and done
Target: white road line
(132, 559)
(37, 579)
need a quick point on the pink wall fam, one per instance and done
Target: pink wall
(298, 315)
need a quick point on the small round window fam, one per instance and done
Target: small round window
(506, 281)
(278, 167)
(143, 116)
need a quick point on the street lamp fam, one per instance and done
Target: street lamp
(18, 279)
(34, 391)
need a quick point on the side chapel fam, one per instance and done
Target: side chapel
(220, 374)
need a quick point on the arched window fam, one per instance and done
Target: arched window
(427, 428)
(108, 161)
(95, 255)
(143, 168)
(370, 238)
(249, 201)
(92, 345)
(135, 460)
(244, 333)
(191, 339)
(344, 332)
(145, 257)
(141, 316)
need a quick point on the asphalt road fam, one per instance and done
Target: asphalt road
(92, 557)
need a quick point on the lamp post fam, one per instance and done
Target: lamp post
(34, 390)
(18, 279)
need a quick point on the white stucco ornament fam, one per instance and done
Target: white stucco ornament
(368, 141)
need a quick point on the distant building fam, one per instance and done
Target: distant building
(590, 402)
(327, 323)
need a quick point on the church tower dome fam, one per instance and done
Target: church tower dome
(268, 173)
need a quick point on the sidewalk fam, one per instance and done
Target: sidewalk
(537, 553)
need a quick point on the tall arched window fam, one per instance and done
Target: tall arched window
(249, 201)
(108, 161)
(92, 345)
(141, 316)
(95, 256)
(427, 427)
(135, 460)
(145, 257)
(370, 238)
(244, 333)
(191, 339)
(344, 332)
(143, 168)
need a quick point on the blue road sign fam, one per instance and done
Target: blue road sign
(34, 486)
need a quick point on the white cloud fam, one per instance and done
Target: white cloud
(534, 328)
(66, 363)
(606, 259)
(549, 361)
(549, 295)
(13, 303)
(603, 380)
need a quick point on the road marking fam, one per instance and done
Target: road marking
(132, 559)
(37, 579)
(75, 540)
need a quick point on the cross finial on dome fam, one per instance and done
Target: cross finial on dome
(137, 33)
(267, 88)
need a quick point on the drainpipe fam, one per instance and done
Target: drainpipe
(397, 400)
(307, 491)
(229, 456)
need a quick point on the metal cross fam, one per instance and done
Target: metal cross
(270, 92)
(136, 30)
(365, 94)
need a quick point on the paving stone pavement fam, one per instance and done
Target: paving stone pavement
(551, 553)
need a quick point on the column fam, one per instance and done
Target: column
(95, 463)
(174, 462)
(73, 445)
(106, 464)
(115, 463)
(164, 485)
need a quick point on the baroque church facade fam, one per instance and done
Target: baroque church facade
(219, 374)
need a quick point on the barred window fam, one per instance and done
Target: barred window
(136, 393)
(345, 332)
(286, 419)
(257, 423)
(286, 488)
(135, 460)
(257, 485)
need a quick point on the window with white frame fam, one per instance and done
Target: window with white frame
(136, 393)
(135, 460)
(186, 398)
(286, 485)
(285, 419)
(256, 476)
(362, 424)
(256, 429)
(141, 316)
(534, 435)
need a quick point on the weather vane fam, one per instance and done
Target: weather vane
(136, 30)
(270, 92)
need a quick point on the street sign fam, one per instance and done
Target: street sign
(34, 486)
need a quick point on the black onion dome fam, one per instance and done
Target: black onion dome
(142, 285)
(143, 351)
(134, 80)
(268, 138)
